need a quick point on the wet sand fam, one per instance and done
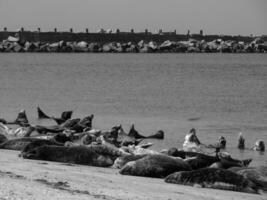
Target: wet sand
(33, 179)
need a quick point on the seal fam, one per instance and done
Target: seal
(259, 146)
(22, 119)
(117, 137)
(19, 144)
(258, 175)
(213, 178)
(38, 143)
(157, 165)
(123, 160)
(41, 114)
(226, 161)
(3, 138)
(16, 132)
(201, 161)
(84, 124)
(59, 120)
(69, 124)
(92, 155)
(241, 141)
(134, 133)
(191, 142)
(125, 139)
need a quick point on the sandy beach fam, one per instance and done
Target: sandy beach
(31, 179)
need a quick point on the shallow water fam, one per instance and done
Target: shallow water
(218, 94)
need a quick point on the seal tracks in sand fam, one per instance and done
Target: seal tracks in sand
(60, 185)
(66, 187)
(11, 175)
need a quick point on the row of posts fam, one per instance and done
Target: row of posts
(117, 31)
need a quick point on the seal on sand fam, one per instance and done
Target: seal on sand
(134, 133)
(93, 155)
(122, 160)
(226, 161)
(59, 120)
(20, 143)
(22, 119)
(85, 123)
(201, 161)
(156, 165)
(3, 138)
(257, 175)
(70, 123)
(213, 178)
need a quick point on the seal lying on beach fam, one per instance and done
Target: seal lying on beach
(3, 138)
(20, 143)
(155, 166)
(201, 161)
(125, 139)
(18, 132)
(59, 120)
(93, 155)
(38, 143)
(84, 124)
(57, 128)
(76, 125)
(226, 161)
(123, 160)
(134, 133)
(257, 175)
(21, 119)
(118, 137)
(213, 178)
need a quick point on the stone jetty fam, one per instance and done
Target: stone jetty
(119, 42)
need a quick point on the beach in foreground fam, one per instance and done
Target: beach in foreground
(31, 179)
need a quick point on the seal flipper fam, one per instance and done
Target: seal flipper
(158, 135)
(134, 133)
(66, 115)
(22, 119)
(41, 114)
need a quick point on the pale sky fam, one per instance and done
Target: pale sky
(233, 17)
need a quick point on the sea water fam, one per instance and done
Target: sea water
(218, 94)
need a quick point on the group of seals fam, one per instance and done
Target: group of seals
(258, 146)
(74, 141)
